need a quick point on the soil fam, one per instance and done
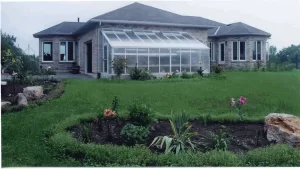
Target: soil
(9, 91)
(241, 136)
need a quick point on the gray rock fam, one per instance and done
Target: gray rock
(5, 103)
(283, 128)
(33, 92)
(21, 99)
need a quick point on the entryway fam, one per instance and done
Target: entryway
(89, 55)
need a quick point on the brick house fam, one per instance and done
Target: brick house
(150, 38)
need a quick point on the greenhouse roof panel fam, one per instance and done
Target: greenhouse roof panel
(151, 39)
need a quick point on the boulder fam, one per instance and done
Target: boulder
(21, 99)
(5, 103)
(283, 128)
(33, 92)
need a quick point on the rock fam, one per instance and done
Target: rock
(21, 99)
(3, 83)
(33, 92)
(283, 128)
(5, 103)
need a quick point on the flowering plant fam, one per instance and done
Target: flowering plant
(109, 113)
(238, 105)
(119, 64)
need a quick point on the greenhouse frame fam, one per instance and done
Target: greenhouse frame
(160, 52)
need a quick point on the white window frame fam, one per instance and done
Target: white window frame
(105, 45)
(238, 50)
(261, 58)
(221, 62)
(43, 51)
(66, 52)
(212, 51)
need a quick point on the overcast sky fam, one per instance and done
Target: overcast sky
(281, 18)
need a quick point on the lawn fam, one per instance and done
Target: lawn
(23, 141)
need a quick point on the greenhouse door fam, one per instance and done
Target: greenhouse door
(89, 57)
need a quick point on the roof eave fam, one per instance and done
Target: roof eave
(47, 35)
(152, 23)
(265, 35)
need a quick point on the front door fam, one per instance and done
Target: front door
(221, 52)
(89, 57)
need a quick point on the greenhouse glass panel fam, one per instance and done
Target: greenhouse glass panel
(133, 37)
(195, 59)
(185, 61)
(143, 61)
(119, 50)
(123, 37)
(175, 60)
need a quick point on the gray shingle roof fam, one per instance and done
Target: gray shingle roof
(235, 29)
(64, 28)
(144, 13)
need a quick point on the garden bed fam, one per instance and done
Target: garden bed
(242, 136)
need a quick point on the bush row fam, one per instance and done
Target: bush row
(64, 145)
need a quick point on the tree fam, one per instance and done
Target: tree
(272, 53)
(289, 54)
(9, 51)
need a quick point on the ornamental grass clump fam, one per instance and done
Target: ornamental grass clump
(238, 106)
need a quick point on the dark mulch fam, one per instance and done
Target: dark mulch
(242, 136)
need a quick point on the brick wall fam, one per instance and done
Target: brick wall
(56, 64)
(248, 63)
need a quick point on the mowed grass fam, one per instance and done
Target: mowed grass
(23, 140)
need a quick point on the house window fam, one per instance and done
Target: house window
(257, 50)
(211, 51)
(239, 50)
(67, 51)
(47, 51)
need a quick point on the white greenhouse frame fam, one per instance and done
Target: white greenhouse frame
(182, 42)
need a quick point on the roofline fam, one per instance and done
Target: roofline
(241, 34)
(56, 34)
(151, 23)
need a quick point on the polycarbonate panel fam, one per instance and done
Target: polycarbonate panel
(133, 37)
(123, 37)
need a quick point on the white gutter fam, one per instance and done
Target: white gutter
(151, 23)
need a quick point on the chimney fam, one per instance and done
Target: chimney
(78, 19)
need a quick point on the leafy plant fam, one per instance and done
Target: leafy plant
(115, 104)
(180, 141)
(119, 64)
(200, 71)
(141, 74)
(185, 75)
(218, 69)
(136, 73)
(140, 114)
(220, 140)
(146, 75)
(86, 132)
(132, 134)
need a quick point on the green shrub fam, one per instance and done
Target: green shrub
(132, 135)
(218, 69)
(274, 155)
(86, 132)
(186, 75)
(136, 73)
(140, 114)
(220, 140)
(200, 71)
(115, 104)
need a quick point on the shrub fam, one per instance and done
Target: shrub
(146, 75)
(136, 73)
(119, 64)
(220, 140)
(218, 69)
(132, 134)
(185, 75)
(200, 71)
(86, 130)
(115, 104)
(140, 114)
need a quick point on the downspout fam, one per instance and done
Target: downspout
(99, 47)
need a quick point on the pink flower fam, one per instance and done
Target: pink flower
(242, 100)
(232, 102)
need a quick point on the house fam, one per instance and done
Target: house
(157, 40)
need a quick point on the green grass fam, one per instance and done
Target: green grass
(23, 141)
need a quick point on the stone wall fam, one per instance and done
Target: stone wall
(55, 64)
(229, 63)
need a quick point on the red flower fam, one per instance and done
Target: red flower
(107, 112)
(242, 100)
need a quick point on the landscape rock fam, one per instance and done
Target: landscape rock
(33, 92)
(5, 103)
(21, 99)
(283, 128)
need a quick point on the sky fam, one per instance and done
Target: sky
(281, 18)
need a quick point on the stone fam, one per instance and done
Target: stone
(5, 103)
(33, 92)
(3, 83)
(21, 99)
(283, 128)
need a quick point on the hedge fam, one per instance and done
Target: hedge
(63, 144)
